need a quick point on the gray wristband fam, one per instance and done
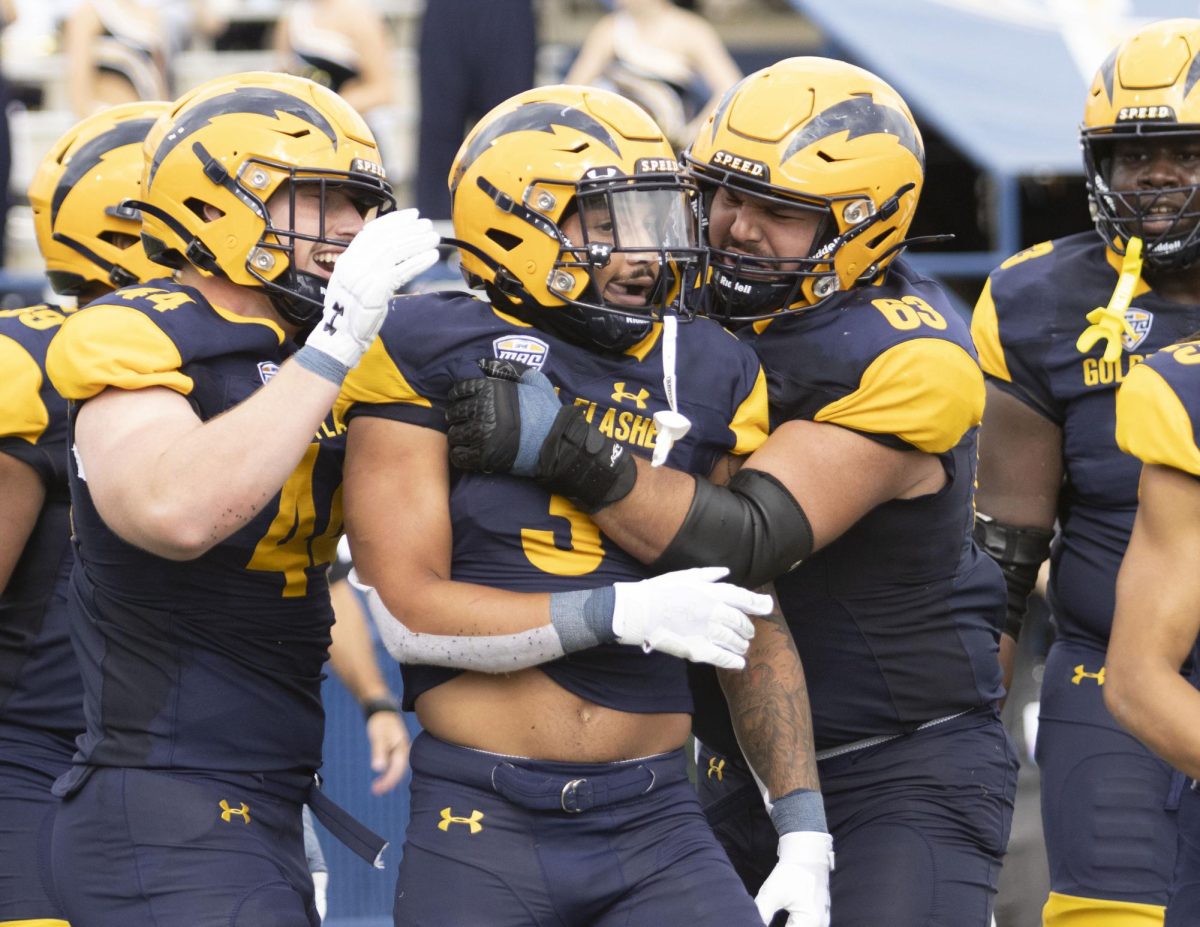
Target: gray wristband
(322, 365)
(583, 619)
(801, 809)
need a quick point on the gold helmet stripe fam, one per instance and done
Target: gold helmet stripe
(858, 115)
(263, 101)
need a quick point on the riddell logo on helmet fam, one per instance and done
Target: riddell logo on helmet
(1145, 112)
(741, 165)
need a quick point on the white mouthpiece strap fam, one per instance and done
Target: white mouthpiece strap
(670, 424)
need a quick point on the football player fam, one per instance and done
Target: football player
(1153, 636)
(89, 241)
(550, 785)
(1058, 327)
(859, 503)
(205, 482)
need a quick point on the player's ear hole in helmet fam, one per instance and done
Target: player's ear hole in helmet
(89, 236)
(818, 142)
(1143, 103)
(569, 207)
(225, 149)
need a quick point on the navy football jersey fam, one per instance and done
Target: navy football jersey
(897, 621)
(1029, 317)
(212, 663)
(1158, 409)
(41, 697)
(510, 533)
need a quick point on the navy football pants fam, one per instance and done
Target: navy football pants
(135, 847)
(26, 817)
(1107, 802)
(489, 843)
(919, 824)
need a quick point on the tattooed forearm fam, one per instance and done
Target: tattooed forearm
(768, 702)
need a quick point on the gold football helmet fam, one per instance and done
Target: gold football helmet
(86, 232)
(1145, 88)
(552, 153)
(216, 158)
(811, 133)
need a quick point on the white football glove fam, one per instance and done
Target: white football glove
(689, 614)
(799, 883)
(388, 253)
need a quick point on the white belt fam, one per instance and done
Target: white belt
(881, 738)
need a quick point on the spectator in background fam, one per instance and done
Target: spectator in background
(116, 52)
(341, 44)
(474, 54)
(667, 59)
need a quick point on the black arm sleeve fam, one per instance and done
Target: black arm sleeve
(754, 526)
(1020, 552)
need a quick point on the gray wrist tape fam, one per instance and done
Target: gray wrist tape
(802, 809)
(500, 653)
(322, 365)
(583, 619)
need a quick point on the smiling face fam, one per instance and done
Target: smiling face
(340, 219)
(1158, 179)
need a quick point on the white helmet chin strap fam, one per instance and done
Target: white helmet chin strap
(671, 424)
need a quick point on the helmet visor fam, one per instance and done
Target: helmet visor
(635, 219)
(637, 241)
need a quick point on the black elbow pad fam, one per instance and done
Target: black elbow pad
(1020, 552)
(754, 526)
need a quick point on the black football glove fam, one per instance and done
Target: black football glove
(499, 421)
(511, 421)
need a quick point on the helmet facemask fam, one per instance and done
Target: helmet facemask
(832, 157)
(649, 221)
(749, 287)
(1123, 214)
(216, 159)
(299, 296)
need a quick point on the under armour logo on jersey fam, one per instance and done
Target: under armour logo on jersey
(337, 313)
(620, 395)
(716, 768)
(227, 813)
(472, 822)
(1081, 675)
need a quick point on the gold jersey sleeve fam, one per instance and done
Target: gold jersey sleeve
(1153, 424)
(925, 391)
(112, 345)
(377, 380)
(23, 414)
(751, 421)
(985, 332)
